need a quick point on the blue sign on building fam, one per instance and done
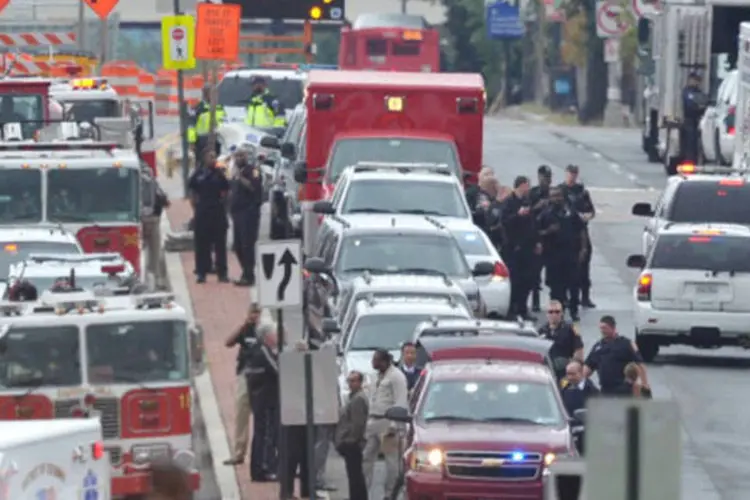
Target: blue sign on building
(504, 21)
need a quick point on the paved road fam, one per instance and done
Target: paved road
(708, 386)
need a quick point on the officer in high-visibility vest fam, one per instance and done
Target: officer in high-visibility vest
(198, 135)
(280, 116)
(260, 111)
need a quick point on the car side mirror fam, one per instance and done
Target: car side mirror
(300, 172)
(643, 210)
(323, 208)
(270, 142)
(315, 265)
(580, 415)
(636, 261)
(197, 350)
(483, 269)
(330, 326)
(289, 151)
(398, 414)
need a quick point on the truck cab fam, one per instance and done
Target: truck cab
(26, 101)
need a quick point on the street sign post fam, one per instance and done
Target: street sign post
(102, 8)
(609, 19)
(178, 42)
(503, 21)
(633, 450)
(611, 50)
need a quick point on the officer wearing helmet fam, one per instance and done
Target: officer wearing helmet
(260, 110)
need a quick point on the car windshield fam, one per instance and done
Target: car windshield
(13, 252)
(711, 201)
(387, 331)
(709, 252)
(349, 152)
(39, 356)
(236, 91)
(137, 352)
(28, 110)
(514, 402)
(472, 243)
(88, 110)
(20, 195)
(403, 253)
(106, 194)
(395, 196)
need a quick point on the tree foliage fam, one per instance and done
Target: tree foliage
(575, 40)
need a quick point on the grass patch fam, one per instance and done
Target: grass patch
(549, 116)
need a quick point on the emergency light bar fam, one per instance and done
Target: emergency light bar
(74, 258)
(365, 166)
(88, 84)
(59, 146)
(153, 300)
(689, 168)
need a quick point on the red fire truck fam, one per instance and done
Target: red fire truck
(92, 189)
(390, 42)
(127, 360)
(360, 116)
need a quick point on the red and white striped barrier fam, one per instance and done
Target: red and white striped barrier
(37, 39)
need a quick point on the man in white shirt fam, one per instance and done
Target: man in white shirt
(380, 435)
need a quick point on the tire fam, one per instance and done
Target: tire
(648, 347)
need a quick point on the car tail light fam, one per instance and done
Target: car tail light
(77, 412)
(730, 130)
(645, 282)
(89, 400)
(732, 182)
(500, 272)
(113, 269)
(97, 450)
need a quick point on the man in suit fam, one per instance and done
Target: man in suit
(575, 389)
(408, 364)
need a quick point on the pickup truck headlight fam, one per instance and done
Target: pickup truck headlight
(427, 459)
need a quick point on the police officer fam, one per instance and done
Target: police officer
(488, 211)
(263, 386)
(522, 243)
(580, 200)
(564, 238)
(609, 357)
(694, 102)
(245, 202)
(209, 187)
(566, 342)
(539, 196)
(260, 111)
(198, 135)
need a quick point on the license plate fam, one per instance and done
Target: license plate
(707, 289)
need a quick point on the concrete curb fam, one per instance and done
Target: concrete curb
(226, 478)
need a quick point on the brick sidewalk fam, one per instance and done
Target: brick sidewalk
(219, 308)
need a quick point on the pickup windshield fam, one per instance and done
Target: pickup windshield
(20, 195)
(43, 356)
(703, 252)
(137, 352)
(491, 401)
(107, 194)
(349, 152)
(89, 110)
(236, 91)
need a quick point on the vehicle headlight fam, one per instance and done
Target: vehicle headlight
(185, 459)
(427, 459)
(552, 457)
(147, 453)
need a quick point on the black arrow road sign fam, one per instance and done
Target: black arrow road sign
(288, 261)
(268, 260)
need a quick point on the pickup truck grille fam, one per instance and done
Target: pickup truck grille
(493, 466)
(108, 408)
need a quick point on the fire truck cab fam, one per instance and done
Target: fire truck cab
(126, 360)
(26, 101)
(96, 190)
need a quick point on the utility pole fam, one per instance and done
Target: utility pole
(183, 117)
(403, 6)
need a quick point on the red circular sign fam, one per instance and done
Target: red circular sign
(178, 34)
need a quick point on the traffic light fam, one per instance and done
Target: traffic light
(316, 13)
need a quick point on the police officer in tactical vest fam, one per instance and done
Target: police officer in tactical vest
(579, 199)
(260, 110)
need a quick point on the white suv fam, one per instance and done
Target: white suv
(694, 288)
